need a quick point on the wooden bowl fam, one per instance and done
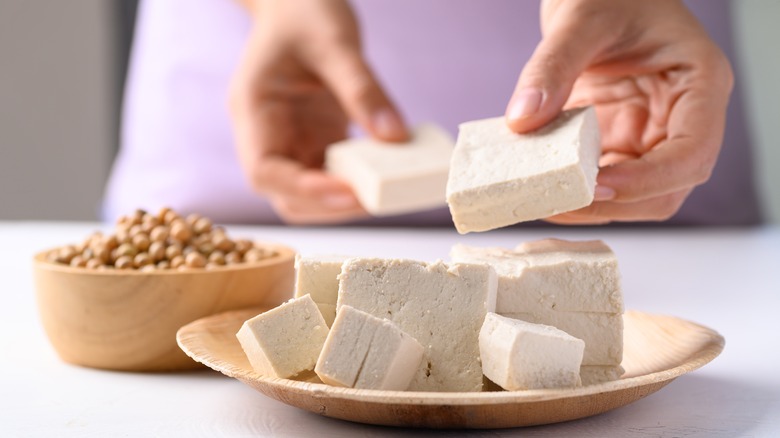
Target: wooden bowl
(657, 349)
(127, 320)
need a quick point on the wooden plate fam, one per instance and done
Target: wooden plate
(657, 349)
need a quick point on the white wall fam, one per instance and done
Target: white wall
(56, 107)
(758, 41)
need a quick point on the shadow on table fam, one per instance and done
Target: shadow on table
(691, 406)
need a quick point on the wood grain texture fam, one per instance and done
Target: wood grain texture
(127, 320)
(658, 349)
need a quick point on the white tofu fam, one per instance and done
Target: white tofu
(594, 374)
(499, 178)
(551, 275)
(393, 178)
(328, 312)
(601, 332)
(441, 306)
(520, 355)
(363, 351)
(286, 340)
(345, 349)
(317, 276)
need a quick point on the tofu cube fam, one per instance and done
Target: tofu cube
(551, 274)
(441, 306)
(328, 312)
(594, 374)
(317, 276)
(363, 351)
(601, 332)
(574, 286)
(520, 355)
(395, 178)
(499, 178)
(286, 340)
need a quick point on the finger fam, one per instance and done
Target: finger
(655, 209)
(282, 177)
(610, 158)
(299, 194)
(549, 75)
(316, 197)
(564, 219)
(359, 92)
(305, 195)
(300, 212)
(682, 161)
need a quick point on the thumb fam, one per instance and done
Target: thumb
(359, 92)
(549, 75)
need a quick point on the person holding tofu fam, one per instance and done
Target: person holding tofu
(659, 83)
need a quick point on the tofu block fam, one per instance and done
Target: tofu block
(363, 351)
(551, 274)
(393, 178)
(286, 340)
(499, 178)
(317, 276)
(328, 312)
(594, 374)
(442, 306)
(601, 332)
(520, 355)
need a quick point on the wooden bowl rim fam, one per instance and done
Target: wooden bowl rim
(284, 254)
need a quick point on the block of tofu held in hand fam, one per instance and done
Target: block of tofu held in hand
(499, 178)
(442, 306)
(286, 340)
(395, 178)
(366, 352)
(520, 355)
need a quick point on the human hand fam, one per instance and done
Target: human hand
(660, 87)
(300, 80)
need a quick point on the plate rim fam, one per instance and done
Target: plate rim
(712, 348)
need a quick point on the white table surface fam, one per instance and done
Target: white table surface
(726, 279)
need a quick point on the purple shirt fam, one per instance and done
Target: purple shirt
(445, 61)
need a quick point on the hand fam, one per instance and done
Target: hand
(660, 87)
(301, 77)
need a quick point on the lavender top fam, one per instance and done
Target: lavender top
(445, 61)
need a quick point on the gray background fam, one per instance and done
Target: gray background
(58, 132)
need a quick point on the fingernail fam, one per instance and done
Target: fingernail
(603, 193)
(524, 104)
(340, 202)
(388, 125)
